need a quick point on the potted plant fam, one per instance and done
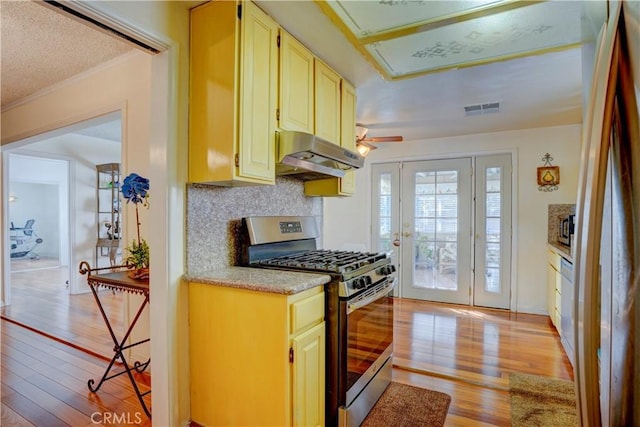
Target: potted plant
(135, 189)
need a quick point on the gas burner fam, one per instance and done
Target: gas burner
(341, 262)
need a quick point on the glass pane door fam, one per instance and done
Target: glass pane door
(436, 230)
(447, 248)
(493, 231)
(386, 210)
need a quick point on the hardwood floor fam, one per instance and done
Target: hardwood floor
(469, 353)
(44, 384)
(464, 352)
(40, 300)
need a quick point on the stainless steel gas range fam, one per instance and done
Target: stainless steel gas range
(358, 309)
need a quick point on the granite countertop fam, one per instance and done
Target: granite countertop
(260, 279)
(561, 250)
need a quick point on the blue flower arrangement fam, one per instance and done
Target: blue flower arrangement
(135, 189)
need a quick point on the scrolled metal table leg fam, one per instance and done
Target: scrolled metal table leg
(141, 367)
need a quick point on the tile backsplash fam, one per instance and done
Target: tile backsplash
(214, 217)
(555, 212)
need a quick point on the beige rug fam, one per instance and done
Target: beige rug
(403, 405)
(541, 401)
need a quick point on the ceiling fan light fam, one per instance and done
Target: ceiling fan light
(364, 148)
(361, 132)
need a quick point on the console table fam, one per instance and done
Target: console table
(116, 278)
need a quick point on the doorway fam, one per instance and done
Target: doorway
(447, 223)
(52, 220)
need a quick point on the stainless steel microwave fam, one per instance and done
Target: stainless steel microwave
(566, 227)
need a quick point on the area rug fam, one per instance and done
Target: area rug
(541, 401)
(403, 405)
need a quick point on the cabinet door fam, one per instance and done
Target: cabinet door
(345, 186)
(551, 292)
(327, 103)
(212, 91)
(347, 116)
(558, 315)
(258, 94)
(348, 132)
(309, 377)
(296, 85)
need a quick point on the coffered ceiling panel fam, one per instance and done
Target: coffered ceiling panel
(369, 18)
(406, 38)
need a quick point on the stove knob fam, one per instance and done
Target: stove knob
(359, 283)
(387, 269)
(367, 280)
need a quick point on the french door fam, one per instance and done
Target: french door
(447, 224)
(492, 241)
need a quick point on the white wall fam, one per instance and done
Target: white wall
(49, 210)
(38, 202)
(348, 220)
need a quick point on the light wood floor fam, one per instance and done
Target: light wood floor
(469, 354)
(40, 300)
(466, 353)
(44, 384)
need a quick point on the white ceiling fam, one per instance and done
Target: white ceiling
(535, 91)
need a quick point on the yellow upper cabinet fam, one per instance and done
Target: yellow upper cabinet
(345, 186)
(233, 94)
(327, 103)
(296, 107)
(347, 116)
(348, 133)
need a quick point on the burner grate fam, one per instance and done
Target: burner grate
(326, 260)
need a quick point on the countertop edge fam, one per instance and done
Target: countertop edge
(563, 251)
(260, 280)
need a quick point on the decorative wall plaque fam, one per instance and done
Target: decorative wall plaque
(548, 175)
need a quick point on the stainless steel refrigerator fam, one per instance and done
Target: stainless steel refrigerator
(607, 268)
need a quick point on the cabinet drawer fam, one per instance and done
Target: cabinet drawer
(307, 313)
(554, 259)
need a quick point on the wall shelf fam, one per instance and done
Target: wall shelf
(108, 209)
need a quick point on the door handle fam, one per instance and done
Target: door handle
(396, 240)
(406, 234)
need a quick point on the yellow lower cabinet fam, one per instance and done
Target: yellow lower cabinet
(551, 292)
(554, 281)
(308, 377)
(256, 358)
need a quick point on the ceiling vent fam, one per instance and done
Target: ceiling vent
(477, 109)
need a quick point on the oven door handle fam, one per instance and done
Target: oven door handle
(368, 299)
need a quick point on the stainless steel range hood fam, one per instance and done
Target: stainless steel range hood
(310, 157)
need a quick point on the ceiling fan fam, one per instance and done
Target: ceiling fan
(364, 144)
